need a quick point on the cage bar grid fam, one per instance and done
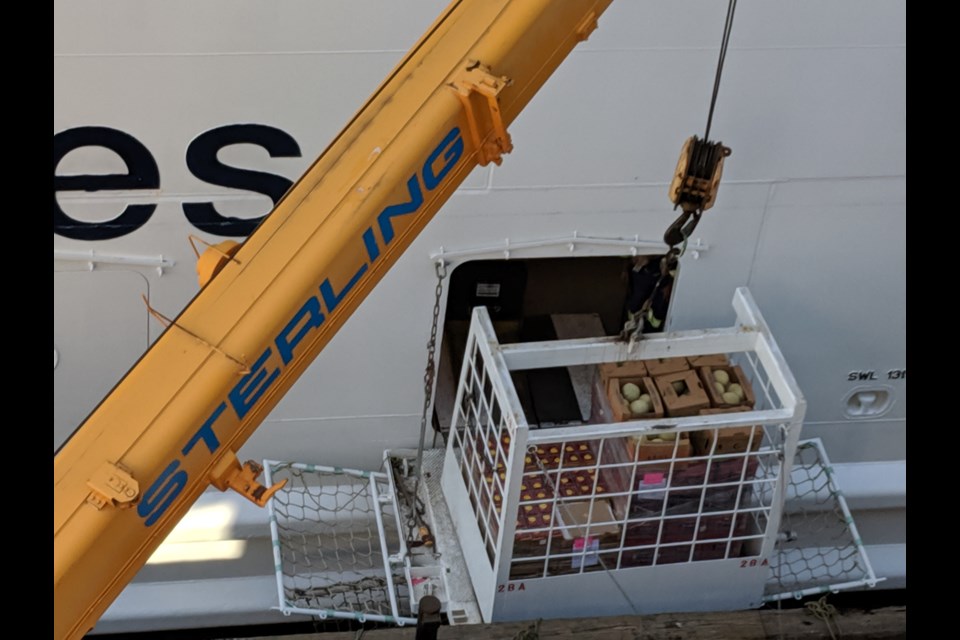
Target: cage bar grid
(565, 501)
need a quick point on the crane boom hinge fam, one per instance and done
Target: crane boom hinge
(478, 90)
(112, 485)
(242, 478)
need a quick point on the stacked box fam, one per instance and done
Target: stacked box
(620, 408)
(730, 440)
(646, 448)
(736, 375)
(711, 527)
(574, 454)
(621, 452)
(663, 366)
(713, 360)
(536, 498)
(628, 368)
(494, 453)
(576, 515)
(580, 483)
(689, 401)
(600, 411)
(717, 550)
(721, 471)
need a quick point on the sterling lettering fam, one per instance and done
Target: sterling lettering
(283, 349)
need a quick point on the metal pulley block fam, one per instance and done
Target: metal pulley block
(695, 184)
(697, 177)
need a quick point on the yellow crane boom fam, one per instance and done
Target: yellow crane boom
(172, 425)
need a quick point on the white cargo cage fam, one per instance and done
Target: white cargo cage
(600, 518)
(680, 532)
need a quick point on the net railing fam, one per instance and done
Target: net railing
(819, 549)
(330, 558)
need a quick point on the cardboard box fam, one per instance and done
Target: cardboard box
(574, 454)
(663, 366)
(576, 516)
(713, 360)
(620, 408)
(600, 412)
(717, 550)
(629, 368)
(653, 450)
(736, 375)
(730, 440)
(689, 401)
(580, 483)
(728, 470)
(616, 478)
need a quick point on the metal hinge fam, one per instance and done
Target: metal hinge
(230, 474)
(112, 485)
(476, 80)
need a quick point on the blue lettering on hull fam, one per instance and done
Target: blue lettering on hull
(310, 316)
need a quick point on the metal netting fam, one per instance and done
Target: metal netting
(819, 549)
(330, 558)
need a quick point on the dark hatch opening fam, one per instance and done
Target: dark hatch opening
(532, 300)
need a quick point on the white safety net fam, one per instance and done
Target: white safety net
(819, 549)
(327, 546)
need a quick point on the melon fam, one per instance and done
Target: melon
(630, 391)
(731, 398)
(640, 407)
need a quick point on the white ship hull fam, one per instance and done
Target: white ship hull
(811, 216)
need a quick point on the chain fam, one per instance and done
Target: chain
(633, 328)
(431, 369)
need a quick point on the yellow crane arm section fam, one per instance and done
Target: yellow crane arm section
(171, 426)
